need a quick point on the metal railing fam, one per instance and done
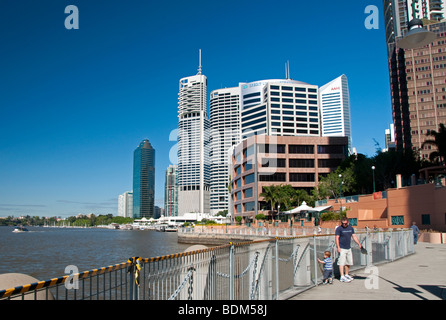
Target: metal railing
(256, 270)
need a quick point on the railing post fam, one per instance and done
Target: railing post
(277, 268)
(132, 281)
(315, 259)
(369, 248)
(231, 271)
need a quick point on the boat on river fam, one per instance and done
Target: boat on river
(19, 229)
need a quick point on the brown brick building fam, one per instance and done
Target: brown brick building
(418, 87)
(298, 161)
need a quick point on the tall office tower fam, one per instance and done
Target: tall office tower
(279, 107)
(335, 110)
(144, 180)
(426, 82)
(397, 14)
(193, 145)
(225, 133)
(125, 205)
(171, 191)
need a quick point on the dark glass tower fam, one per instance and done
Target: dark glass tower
(144, 181)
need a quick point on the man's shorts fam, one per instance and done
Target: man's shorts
(345, 257)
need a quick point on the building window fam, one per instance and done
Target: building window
(248, 193)
(273, 163)
(272, 177)
(329, 163)
(353, 222)
(248, 166)
(302, 177)
(426, 219)
(301, 163)
(397, 220)
(249, 206)
(331, 149)
(273, 148)
(301, 149)
(249, 179)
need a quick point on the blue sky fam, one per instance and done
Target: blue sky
(76, 103)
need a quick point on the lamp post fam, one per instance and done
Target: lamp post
(373, 173)
(340, 194)
(417, 36)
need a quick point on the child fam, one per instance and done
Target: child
(328, 268)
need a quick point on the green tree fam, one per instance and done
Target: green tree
(335, 183)
(269, 195)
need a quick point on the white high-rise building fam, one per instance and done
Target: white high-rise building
(125, 204)
(335, 109)
(225, 133)
(281, 107)
(193, 145)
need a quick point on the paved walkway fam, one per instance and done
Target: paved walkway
(420, 276)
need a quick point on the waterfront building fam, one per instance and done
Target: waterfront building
(144, 180)
(171, 191)
(409, 128)
(335, 110)
(281, 107)
(225, 133)
(261, 161)
(193, 145)
(125, 205)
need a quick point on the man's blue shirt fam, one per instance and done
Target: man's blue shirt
(345, 236)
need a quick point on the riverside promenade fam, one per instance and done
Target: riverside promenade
(420, 276)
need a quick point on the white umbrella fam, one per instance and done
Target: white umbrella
(302, 207)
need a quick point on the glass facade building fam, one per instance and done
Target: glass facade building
(144, 181)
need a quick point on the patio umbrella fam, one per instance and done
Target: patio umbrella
(302, 207)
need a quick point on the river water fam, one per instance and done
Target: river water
(43, 253)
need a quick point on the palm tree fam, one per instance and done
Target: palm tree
(439, 142)
(269, 195)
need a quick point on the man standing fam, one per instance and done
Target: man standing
(416, 232)
(343, 236)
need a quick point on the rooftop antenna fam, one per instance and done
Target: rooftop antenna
(199, 66)
(287, 70)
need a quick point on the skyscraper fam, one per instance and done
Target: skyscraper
(335, 109)
(426, 82)
(279, 107)
(225, 133)
(171, 191)
(125, 205)
(397, 15)
(193, 145)
(144, 180)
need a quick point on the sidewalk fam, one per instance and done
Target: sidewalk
(420, 276)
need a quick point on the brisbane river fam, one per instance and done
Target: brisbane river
(43, 253)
